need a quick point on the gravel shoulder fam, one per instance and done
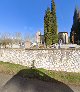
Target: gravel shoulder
(75, 88)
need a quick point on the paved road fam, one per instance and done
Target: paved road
(9, 83)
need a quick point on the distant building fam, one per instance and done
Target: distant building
(63, 37)
(28, 44)
(75, 30)
(39, 38)
(15, 46)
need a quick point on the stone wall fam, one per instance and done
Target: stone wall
(59, 60)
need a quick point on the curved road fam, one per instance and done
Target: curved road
(9, 83)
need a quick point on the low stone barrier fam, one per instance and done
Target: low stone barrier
(51, 59)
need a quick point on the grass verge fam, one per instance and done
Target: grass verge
(10, 68)
(42, 74)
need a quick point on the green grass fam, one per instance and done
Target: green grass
(42, 74)
(10, 68)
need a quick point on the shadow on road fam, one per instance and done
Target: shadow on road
(33, 80)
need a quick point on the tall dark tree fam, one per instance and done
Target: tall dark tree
(50, 25)
(54, 23)
(75, 17)
(47, 27)
(74, 34)
(75, 30)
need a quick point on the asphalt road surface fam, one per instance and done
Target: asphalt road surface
(10, 83)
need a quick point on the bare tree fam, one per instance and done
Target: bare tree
(18, 38)
(6, 40)
(27, 37)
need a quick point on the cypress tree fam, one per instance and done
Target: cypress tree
(54, 23)
(50, 25)
(75, 28)
(75, 17)
(47, 27)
